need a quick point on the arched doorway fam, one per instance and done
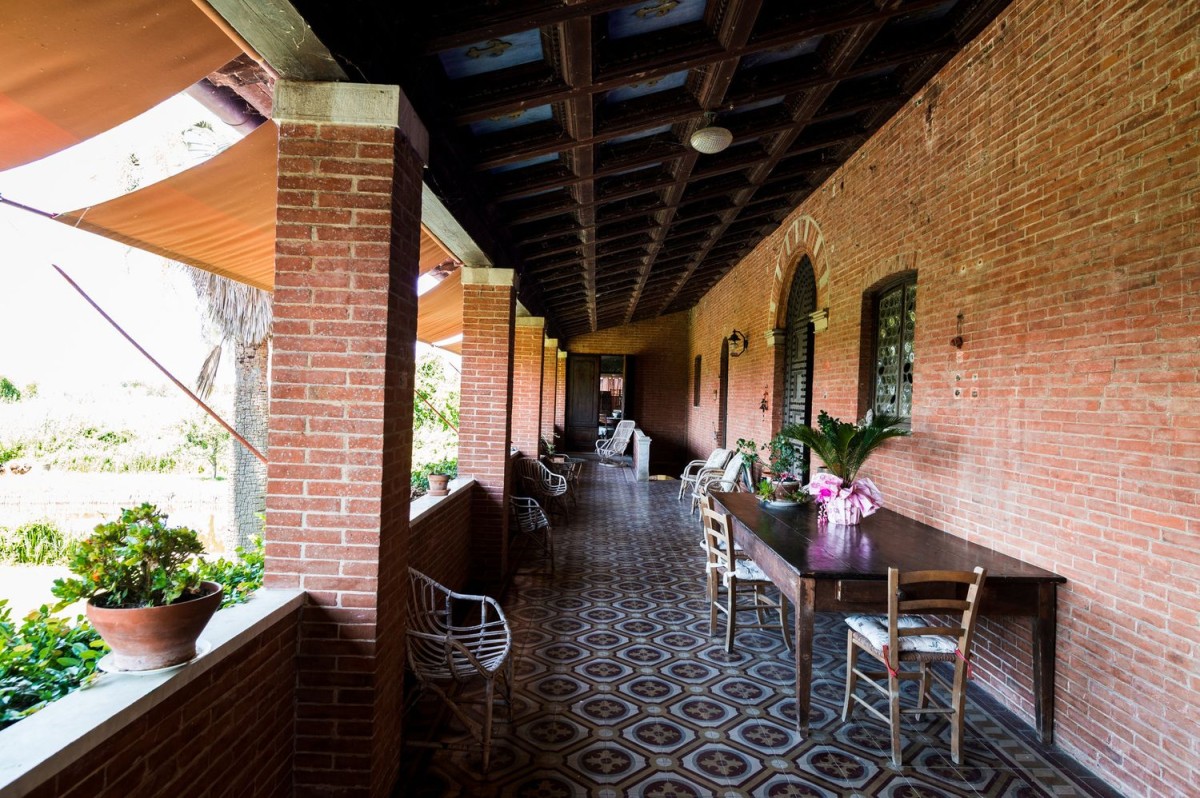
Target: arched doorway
(798, 349)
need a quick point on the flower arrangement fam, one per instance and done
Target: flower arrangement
(845, 497)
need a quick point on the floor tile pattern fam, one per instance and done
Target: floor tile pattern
(621, 691)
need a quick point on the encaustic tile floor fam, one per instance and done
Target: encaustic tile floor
(620, 690)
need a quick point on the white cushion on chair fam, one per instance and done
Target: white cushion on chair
(875, 629)
(748, 570)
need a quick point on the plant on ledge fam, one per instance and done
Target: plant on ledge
(844, 447)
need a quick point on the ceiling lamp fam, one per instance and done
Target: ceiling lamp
(711, 139)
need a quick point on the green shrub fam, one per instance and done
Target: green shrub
(8, 391)
(420, 475)
(35, 543)
(42, 660)
(240, 576)
(11, 451)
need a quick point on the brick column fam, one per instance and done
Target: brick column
(549, 386)
(560, 394)
(346, 253)
(484, 413)
(527, 383)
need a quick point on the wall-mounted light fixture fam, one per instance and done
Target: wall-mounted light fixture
(737, 343)
(957, 341)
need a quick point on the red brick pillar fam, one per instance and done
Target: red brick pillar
(527, 383)
(484, 414)
(560, 395)
(549, 384)
(346, 252)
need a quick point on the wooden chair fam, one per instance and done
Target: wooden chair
(533, 524)
(738, 574)
(725, 480)
(899, 638)
(610, 448)
(542, 484)
(715, 462)
(454, 639)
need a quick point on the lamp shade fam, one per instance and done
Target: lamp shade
(711, 140)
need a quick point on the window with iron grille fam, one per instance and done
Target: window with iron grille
(895, 318)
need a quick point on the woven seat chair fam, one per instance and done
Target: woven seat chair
(454, 639)
(611, 448)
(897, 639)
(738, 574)
(533, 524)
(715, 462)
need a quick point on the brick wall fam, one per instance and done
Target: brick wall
(549, 387)
(484, 418)
(341, 436)
(202, 737)
(1044, 185)
(560, 393)
(440, 540)
(528, 348)
(660, 389)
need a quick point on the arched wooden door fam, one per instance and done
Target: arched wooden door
(798, 351)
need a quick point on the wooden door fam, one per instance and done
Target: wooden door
(798, 354)
(583, 402)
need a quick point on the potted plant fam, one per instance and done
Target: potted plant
(439, 484)
(145, 596)
(844, 496)
(784, 463)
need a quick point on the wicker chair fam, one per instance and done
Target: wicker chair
(533, 524)
(609, 449)
(542, 484)
(725, 480)
(898, 638)
(454, 639)
(715, 462)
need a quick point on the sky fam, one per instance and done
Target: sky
(48, 333)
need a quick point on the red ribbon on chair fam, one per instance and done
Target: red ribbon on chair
(887, 663)
(958, 653)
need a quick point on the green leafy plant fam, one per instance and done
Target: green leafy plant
(8, 391)
(765, 490)
(35, 543)
(240, 576)
(11, 451)
(42, 660)
(135, 561)
(843, 446)
(784, 457)
(208, 439)
(420, 475)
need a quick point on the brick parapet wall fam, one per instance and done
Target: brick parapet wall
(1048, 195)
(485, 421)
(660, 390)
(440, 539)
(347, 246)
(201, 735)
(528, 349)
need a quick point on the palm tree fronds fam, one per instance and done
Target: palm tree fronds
(207, 377)
(843, 446)
(241, 312)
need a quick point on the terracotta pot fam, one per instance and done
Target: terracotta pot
(439, 484)
(147, 638)
(785, 488)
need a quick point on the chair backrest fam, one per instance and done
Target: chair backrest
(620, 437)
(718, 534)
(930, 593)
(529, 514)
(449, 633)
(718, 459)
(539, 480)
(733, 470)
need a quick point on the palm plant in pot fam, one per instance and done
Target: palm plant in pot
(145, 595)
(844, 496)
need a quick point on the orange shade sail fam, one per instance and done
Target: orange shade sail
(218, 216)
(440, 313)
(70, 69)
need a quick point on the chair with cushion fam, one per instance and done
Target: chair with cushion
(899, 638)
(725, 480)
(715, 462)
(455, 639)
(612, 448)
(533, 524)
(739, 575)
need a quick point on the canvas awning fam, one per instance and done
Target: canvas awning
(70, 69)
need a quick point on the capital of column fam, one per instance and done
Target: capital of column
(530, 321)
(365, 104)
(479, 276)
(550, 343)
(776, 337)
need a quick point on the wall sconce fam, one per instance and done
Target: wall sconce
(957, 341)
(737, 343)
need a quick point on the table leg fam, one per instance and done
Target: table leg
(805, 610)
(1045, 631)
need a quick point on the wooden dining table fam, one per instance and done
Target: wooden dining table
(830, 568)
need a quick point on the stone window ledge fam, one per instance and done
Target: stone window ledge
(422, 505)
(37, 748)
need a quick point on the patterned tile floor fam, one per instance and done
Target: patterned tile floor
(620, 691)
